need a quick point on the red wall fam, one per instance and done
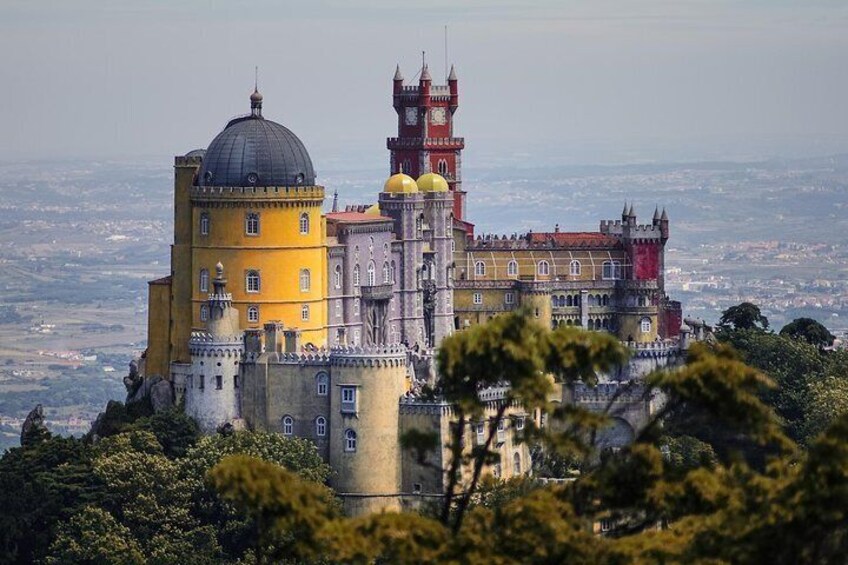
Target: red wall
(646, 261)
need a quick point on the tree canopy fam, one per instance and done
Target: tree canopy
(808, 330)
(744, 316)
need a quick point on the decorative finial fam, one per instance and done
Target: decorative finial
(335, 201)
(398, 74)
(452, 75)
(256, 97)
(219, 270)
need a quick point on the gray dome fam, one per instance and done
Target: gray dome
(253, 151)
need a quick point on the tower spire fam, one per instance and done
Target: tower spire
(335, 201)
(256, 97)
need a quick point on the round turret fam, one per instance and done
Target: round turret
(432, 182)
(400, 184)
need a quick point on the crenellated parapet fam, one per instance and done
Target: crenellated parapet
(612, 392)
(394, 355)
(204, 344)
(655, 349)
(257, 195)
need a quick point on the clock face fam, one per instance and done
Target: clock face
(411, 116)
(438, 117)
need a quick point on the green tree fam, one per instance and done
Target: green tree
(236, 531)
(808, 330)
(288, 510)
(93, 536)
(744, 316)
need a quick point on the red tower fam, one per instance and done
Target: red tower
(425, 141)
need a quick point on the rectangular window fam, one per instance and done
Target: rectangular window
(481, 433)
(509, 298)
(501, 431)
(251, 224)
(478, 298)
(219, 382)
(202, 383)
(204, 223)
(338, 308)
(519, 423)
(348, 400)
(236, 381)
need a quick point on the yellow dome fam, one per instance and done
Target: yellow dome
(431, 182)
(373, 210)
(400, 183)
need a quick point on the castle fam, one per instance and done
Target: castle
(324, 326)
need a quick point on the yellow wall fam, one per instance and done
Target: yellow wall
(185, 169)
(278, 253)
(157, 360)
(630, 327)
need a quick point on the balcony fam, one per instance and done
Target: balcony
(377, 292)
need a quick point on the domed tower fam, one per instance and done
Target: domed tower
(438, 268)
(403, 202)
(212, 388)
(254, 205)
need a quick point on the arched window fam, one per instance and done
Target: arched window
(645, 325)
(574, 268)
(406, 167)
(591, 300)
(443, 167)
(387, 274)
(288, 425)
(350, 441)
(611, 270)
(204, 312)
(304, 312)
(251, 223)
(544, 269)
(516, 464)
(372, 273)
(569, 301)
(605, 300)
(338, 276)
(322, 382)
(305, 280)
(304, 223)
(252, 283)
(480, 269)
(204, 223)
(393, 273)
(253, 314)
(204, 280)
(356, 275)
(320, 426)
(512, 268)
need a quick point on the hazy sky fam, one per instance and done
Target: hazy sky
(559, 81)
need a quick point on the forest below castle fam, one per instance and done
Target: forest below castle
(746, 461)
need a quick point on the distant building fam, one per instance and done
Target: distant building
(324, 326)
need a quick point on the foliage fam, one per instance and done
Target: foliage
(744, 316)
(288, 510)
(94, 536)
(808, 330)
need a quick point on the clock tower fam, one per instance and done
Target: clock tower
(425, 142)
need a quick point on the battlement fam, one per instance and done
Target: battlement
(204, 344)
(636, 231)
(544, 240)
(425, 142)
(631, 391)
(662, 348)
(217, 193)
(394, 355)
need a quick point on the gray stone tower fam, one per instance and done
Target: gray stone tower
(406, 208)
(212, 395)
(438, 266)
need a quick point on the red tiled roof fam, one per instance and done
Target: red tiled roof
(574, 238)
(355, 217)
